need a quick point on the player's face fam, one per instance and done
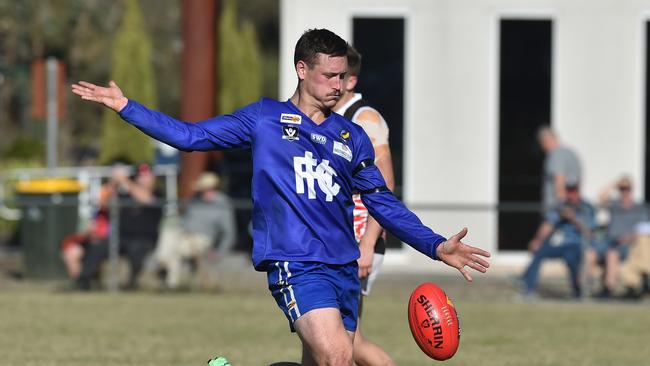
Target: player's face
(324, 81)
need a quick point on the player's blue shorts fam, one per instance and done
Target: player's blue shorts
(299, 287)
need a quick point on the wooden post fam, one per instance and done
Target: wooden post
(199, 78)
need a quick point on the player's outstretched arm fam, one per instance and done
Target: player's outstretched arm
(233, 130)
(112, 96)
(459, 255)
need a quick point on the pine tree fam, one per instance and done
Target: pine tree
(132, 69)
(239, 61)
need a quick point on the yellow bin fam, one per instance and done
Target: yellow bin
(49, 213)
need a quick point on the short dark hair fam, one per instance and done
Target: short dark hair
(354, 61)
(315, 41)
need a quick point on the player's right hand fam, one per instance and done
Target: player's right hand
(459, 255)
(112, 96)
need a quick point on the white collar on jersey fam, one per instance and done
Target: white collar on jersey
(347, 105)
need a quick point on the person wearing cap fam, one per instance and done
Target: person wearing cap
(209, 219)
(624, 215)
(562, 234)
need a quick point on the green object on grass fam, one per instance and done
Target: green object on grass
(49, 212)
(219, 361)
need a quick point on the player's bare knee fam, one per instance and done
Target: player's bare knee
(339, 352)
(340, 357)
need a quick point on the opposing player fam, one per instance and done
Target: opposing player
(367, 232)
(306, 163)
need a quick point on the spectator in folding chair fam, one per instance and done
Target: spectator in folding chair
(562, 235)
(75, 245)
(624, 215)
(635, 273)
(208, 221)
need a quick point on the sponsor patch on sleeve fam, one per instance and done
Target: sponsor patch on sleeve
(342, 150)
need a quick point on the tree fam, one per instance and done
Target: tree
(239, 61)
(132, 68)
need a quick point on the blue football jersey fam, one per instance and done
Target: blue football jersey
(304, 175)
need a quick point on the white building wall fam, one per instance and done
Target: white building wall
(451, 93)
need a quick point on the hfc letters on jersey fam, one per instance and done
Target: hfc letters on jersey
(307, 171)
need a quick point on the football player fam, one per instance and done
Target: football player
(307, 161)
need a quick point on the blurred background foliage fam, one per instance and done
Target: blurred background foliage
(99, 40)
(239, 61)
(138, 43)
(133, 70)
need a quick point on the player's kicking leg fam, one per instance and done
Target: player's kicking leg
(367, 353)
(324, 339)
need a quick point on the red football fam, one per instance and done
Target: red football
(434, 322)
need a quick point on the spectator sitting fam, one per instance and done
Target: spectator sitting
(139, 218)
(624, 214)
(74, 245)
(635, 272)
(209, 219)
(561, 235)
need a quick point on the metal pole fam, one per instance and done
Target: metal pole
(114, 245)
(171, 183)
(52, 122)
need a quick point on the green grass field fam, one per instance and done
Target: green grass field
(42, 326)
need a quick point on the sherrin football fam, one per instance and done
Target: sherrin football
(434, 322)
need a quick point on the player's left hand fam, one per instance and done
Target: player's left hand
(459, 255)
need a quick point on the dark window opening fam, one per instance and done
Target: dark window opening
(525, 75)
(381, 44)
(647, 112)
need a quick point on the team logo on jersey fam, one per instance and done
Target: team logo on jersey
(308, 171)
(290, 133)
(342, 150)
(290, 118)
(319, 139)
(345, 134)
